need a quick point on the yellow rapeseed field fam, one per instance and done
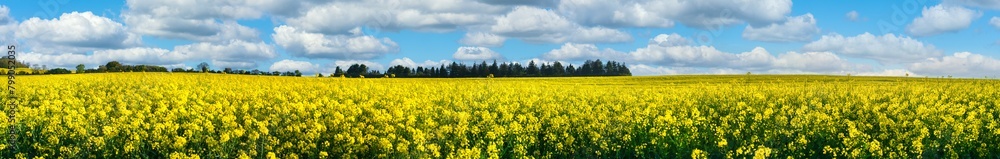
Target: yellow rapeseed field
(181, 115)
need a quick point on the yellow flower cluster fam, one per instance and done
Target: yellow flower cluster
(164, 115)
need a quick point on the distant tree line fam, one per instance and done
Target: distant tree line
(453, 70)
(113, 66)
(295, 73)
(205, 68)
(456, 70)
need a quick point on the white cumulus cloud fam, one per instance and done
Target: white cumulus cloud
(206, 30)
(712, 14)
(482, 39)
(887, 48)
(545, 26)
(476, 54)
(137, 55)
(651, 70)
(580, 52)
(292, 65)
(756, 59)
(987, 4)
(432, 16)
(684, 56)
(672, 39)
(701, 14)
(662, 56)
(642, 69)
(959, 64)
(235, 54)
(410, 63)
(75, 32)
(195, 9)
(315, 45)
(539, 3)
(794, 29)
(612, 13)
(234, 50)
(942, 19)
(197, 20)
(816, 62)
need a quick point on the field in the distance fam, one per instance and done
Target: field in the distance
(116, 115)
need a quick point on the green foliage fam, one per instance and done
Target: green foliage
(81, 68)
(556, 69)
(203, 66)
(58, 71)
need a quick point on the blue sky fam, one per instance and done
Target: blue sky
(893, 38)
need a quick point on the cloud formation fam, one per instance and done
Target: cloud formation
(410, 63)
(987, 4)
(672, 54)
(545, 26)
(482, 39)
(942, 19)
(959, 64)
(75, 32)
(317, 35)
(853, 16)
(580, 52)
(293, 65)
(887, 48)
(235, 54)
(476, 54)
(196, 20)
(315, 45)
(794, 29)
